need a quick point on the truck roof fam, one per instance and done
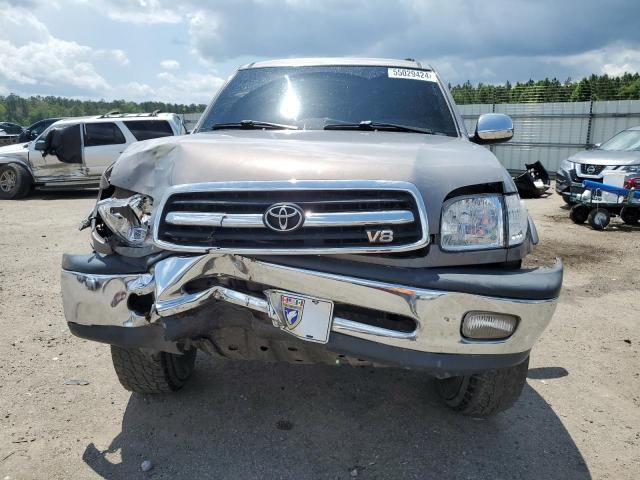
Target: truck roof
(329, 61)
(119, 116)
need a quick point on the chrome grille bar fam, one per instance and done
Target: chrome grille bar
(252, 220)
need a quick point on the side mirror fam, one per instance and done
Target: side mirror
(29, 135)
(493, 128)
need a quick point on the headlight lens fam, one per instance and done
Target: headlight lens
(477, 222)
(518, 220)
(630, 168)
(127, 218)
(472, 222)
(567, 165)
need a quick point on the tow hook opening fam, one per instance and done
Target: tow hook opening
(141, 304)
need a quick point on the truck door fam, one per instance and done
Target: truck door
(62, 158)
(103, 144)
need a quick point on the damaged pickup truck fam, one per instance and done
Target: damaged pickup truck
(327, 211)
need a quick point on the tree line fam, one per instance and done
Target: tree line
(595, 87)
(25, 111)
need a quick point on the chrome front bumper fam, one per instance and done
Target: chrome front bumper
(95, 299)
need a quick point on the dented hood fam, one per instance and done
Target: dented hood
(435, 164)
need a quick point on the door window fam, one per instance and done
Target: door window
(106, 133)
(147, 129)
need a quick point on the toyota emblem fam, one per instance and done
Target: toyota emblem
(284, 217)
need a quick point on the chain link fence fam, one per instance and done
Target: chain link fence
(552, 120)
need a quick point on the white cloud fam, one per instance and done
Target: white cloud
(170, 64)
(613, 60)
(141, 12)
(42, 59)
(183, 89)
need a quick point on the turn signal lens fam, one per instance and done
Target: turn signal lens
(488, 325)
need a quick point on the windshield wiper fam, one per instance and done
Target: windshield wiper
(253, 125)
(371, 125)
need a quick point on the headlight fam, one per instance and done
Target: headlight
(127, 218)
(472, 222)
(517, 220)
(567, 165)
(477, 222)
(630, 168)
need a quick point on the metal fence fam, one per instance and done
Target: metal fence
(551, 132)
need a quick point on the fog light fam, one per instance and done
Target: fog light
(488, 325)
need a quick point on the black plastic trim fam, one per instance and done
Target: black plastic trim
(97, 264)
(151, 337)
(519, 284)
(440, 364)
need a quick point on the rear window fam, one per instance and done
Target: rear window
(147, 129)
(97, 134)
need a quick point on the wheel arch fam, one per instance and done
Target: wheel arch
(19, 161)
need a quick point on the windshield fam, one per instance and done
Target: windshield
(627, 141)
(312, 97)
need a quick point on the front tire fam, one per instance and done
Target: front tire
(15, 181)
(160, 372)
(484, 394)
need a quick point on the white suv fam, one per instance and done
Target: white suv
(74, 152)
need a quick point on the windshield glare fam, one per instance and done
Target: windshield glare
(627, 141)
(312, 97)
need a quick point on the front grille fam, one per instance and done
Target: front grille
(577, 179)
(233, 220)
(591, 169)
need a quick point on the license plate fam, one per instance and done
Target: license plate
(305, 317)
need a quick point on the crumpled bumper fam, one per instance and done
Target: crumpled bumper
(104, 292)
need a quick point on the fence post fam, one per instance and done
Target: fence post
(590, 122)
(493, 110)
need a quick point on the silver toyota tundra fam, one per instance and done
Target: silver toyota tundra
(328, 211)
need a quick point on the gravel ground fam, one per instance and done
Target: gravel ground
(63, 413)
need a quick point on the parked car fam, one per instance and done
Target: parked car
(324, 211)
(10, 129)
(33, 131)
(73, 153)
(621, 153)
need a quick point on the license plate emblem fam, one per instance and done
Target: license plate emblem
(305, 317)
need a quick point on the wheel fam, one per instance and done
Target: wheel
(15, 181)
(630, 215)
(484, 394)
(159, 372)
(579, 213)
(599, 218)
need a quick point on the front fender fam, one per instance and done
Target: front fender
(20, 161)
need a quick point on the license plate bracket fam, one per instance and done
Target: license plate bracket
(302, 316)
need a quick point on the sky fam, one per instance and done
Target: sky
(182, 51)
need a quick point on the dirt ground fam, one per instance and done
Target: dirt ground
(63, 413)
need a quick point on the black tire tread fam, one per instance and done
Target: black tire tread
(630, 215)
(145, 373)
(23, 182)
(579, 214)
(492, 391)
(592, 216)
